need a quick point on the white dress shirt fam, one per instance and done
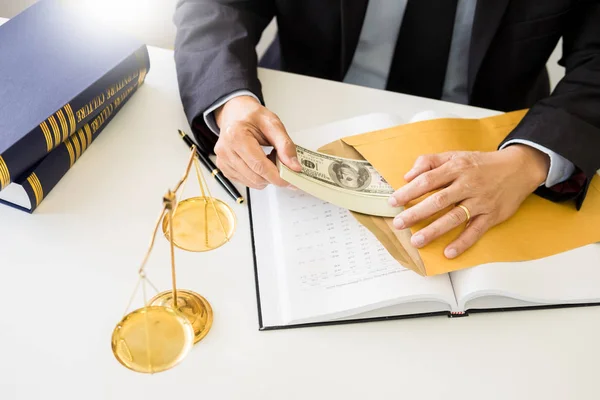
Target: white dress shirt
(373, 57)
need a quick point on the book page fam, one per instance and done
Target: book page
(16, 194)
(565, 278)
(330, 266)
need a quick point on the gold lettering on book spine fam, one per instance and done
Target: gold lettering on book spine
(36, 186)
(114, 89)
(55, 130)
(89, 108)
(78, 143)
(4, 174)
(63, 125)
(47, 135)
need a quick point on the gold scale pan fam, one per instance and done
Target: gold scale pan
(159, 335)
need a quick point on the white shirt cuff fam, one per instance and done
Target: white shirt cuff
(209, 116)
(560, 169)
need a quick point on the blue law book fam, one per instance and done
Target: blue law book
(58, 71)
(27, 192)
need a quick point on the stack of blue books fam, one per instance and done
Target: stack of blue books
(62, 80)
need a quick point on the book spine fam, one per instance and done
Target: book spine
(52, 168)
(458, 314)
(70, 118)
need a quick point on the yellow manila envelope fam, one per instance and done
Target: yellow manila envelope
(396, 242)
(540, 228)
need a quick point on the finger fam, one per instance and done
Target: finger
(423, 184)
(248, 177)
(273, 157)
(427, 163)
(452, 219)
(255, 158)
(472, 233)
(275, 132)
(428, 207)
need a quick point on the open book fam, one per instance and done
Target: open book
(315, 263)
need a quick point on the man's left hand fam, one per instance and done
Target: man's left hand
(491, 185)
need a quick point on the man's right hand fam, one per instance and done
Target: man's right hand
(245, 125)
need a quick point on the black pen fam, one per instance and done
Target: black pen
(214, 171)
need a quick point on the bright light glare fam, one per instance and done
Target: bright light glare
(123, 14)
(150, 21)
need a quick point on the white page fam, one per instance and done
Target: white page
(268, 265)
(329, 265)
(569, 277)
(16, 194)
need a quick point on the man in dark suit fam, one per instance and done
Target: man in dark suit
(486, 53)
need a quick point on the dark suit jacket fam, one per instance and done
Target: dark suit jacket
(511, 43)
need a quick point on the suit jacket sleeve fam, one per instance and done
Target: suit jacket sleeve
(215, 54)
(568, 121)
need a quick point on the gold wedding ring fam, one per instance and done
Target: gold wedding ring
(466, 210)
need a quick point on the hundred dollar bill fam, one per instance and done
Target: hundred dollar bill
(345, 174)
(351, 184)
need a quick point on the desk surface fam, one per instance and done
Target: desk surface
(67, 272)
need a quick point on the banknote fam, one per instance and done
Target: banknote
(356, 176)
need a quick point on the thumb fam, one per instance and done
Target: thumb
(286, 150)
(276, 134)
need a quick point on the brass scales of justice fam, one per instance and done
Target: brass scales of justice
(159, 335)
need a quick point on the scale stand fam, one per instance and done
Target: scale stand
(161, 334)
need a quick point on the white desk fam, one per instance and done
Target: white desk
(67, 271)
